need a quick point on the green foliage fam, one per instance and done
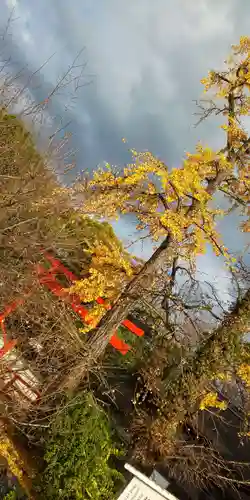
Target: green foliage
(139, 350)
(10, 496)
(79, 454)
(79, 234)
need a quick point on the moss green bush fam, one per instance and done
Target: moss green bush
(79, 454)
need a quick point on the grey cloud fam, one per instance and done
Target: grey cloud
(147, 58)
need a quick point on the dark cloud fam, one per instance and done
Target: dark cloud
(147, 60)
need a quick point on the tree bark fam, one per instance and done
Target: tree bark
(112, 319)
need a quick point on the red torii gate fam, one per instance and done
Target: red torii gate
(47, 277)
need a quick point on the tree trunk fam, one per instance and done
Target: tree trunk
(120, 309)
(212, 354)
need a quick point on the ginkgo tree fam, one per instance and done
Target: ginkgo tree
(175, 206)
(109, 270)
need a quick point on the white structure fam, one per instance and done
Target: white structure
(143, 488)
(16, 377)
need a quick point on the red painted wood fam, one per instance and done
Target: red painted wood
(58, 266)
(11, 307)
(76, 305)
(101, 301)
(8, 346)
(80, 310)
(119, 344)
(54, 286)
(133, 328)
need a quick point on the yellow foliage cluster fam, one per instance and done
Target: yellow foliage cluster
(244, 434)
(109, 271)
(210, 80)
(161, 198)
(8, 452)
(223, 376)
(239, 68)
(243, 47)
(211, 400)
(244, 373)
(109, 267)
(233, 86)
(237, 133)
(93, 317)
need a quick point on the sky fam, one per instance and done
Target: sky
(144, 62)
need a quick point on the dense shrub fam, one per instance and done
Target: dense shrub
(79, 454)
